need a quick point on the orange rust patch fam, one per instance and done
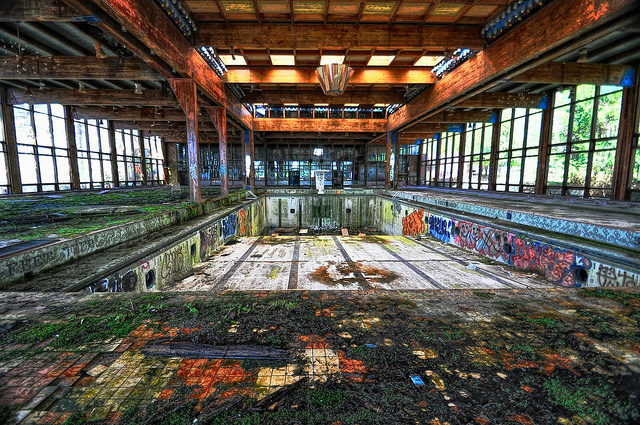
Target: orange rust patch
(523, 419)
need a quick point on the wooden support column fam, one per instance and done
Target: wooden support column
(396, 156)
(493, 159)
(264, 147)
(73, 151)
(186, 93)
(624, 154)
(219, 117)
(114, 159)
(252, 157)
(387, 162)
(543, 153)
(463, 142)
(143, 157)
(366, 163)
(171, 161)
(8, 120)
(244, 152)
(436, 178)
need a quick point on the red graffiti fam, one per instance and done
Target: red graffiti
(243, 222)
(413, 224)
(552, 263)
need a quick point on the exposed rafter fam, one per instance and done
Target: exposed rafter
(318, 36)
(75, 68)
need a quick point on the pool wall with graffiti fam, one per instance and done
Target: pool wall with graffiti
(556, 260)
(160, 269)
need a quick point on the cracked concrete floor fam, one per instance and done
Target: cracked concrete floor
(350, 263)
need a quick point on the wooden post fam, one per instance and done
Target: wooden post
(186, 93)
(114, 159)
(545, 141)
(387, 164)
(436, 178)
(15, 184)
(624, 154)
(243, 152)
(143, 156)
(366, 163)
(463, 142)
(171, 159)
(252, 153)
(219, 117)
(493, 159)
(73, 151)
(396, 155)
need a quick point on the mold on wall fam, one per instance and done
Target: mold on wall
(159, 270)
(320, 212)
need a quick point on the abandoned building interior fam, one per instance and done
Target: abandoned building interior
(320, 212)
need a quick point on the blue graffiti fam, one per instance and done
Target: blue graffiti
(440, 228)
(229, 226)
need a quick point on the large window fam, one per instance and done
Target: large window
(94, 153)
(449, 157)
(154, 160)
(128, 157)
(584, 140)
(518, 150)
(43, 151)
(476, 158)
(377, 163)
(4, 166)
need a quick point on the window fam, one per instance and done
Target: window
(449, 157)
(476, 156)
(430, 151)
(43, 151)
(518, 149)
(376, 170)
(584, 140)
(154, 160)
(94, 153)
(4, 166)
(128, 157)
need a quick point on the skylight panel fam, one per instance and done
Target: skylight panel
(232, 60)
(283, 60)
(381, 60)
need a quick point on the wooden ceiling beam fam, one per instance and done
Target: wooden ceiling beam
(424, 128)
(38, 11)
(366, 76)
(339, 36)
(310, 97)
(502, 100)
(130, 114)
(454, 117)
(556, 29)
(92, 97)
(146, 21)
(321, 125)
(573, 74)
(160, 125)
(75, 68)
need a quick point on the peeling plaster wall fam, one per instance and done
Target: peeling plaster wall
(558, 261)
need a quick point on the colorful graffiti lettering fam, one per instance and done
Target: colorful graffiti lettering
(563, 266)
(413, 223)
(229, 226)
(483, 240)
(115, 283)
(172, 263)
(243, 222)
(440, 227)
(208, 237)
(610, 276)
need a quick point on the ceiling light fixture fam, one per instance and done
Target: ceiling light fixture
(334, 78)
(99, 52)
(137, 88)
